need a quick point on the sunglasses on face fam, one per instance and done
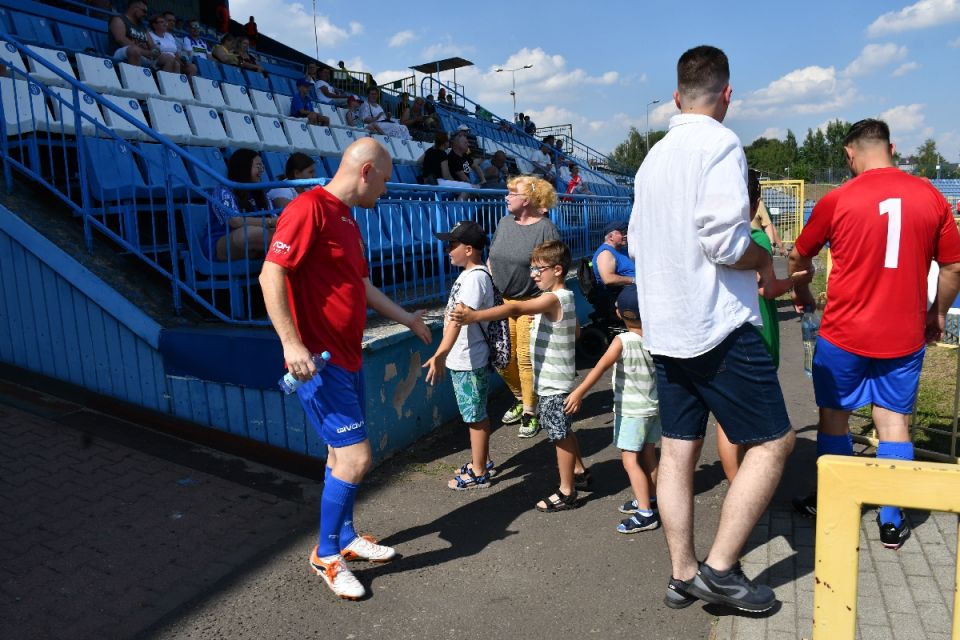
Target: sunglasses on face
(536, 271)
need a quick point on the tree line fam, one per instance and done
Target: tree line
(819, 158)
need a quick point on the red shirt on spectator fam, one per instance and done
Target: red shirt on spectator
(318, 242)
(223, 14)
(884, 228)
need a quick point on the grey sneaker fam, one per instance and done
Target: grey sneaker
(530, 426)
(513, 414)
(677, 596)
(731, 588)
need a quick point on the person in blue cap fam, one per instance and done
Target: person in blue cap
(301, 106)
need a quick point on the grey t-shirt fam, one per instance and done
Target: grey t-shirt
(510, 255)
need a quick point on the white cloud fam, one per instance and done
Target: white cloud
(923, 14)
(401, 38)
(904, 118)
(446, 48)
(801, 85)
(873, 57)
(774, 133)
(389, 75)
(905, 68)
(293, 25)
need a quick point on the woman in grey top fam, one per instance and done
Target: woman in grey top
(528, 200)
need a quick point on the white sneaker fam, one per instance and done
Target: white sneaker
(340, 579)
(366, 548)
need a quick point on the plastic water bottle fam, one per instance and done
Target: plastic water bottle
(289, 384)
(810, 326)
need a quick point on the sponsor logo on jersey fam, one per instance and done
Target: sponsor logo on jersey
(280, 248)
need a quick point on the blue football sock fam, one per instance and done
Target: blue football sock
(834, 445)
(326, 473)
(347, 533)
(337, 494)
(893, 451)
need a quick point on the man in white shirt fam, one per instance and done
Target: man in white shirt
(325, 91)
(697, 282)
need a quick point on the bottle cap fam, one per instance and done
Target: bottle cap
(325, 355)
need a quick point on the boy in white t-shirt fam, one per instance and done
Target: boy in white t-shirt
(464, 350)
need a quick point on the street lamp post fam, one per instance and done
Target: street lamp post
(513, 91)
(647, 137)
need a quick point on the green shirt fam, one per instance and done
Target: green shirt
(770, 332)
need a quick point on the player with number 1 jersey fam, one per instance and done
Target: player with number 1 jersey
(884, 228)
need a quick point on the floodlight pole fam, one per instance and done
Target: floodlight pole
(647, 138)
(513, 91)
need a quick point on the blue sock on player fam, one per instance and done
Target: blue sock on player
(893, 451)
(337, 495)
(834, 445)
(326, 473)
(347, 533)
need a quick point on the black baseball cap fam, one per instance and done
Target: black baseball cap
(616, 225)
(466, 232)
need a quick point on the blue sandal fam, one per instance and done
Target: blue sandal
(489, 468)
(473, 482)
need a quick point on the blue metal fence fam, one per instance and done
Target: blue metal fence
(151, 199)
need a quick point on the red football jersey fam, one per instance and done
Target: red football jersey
(884, 228)
(318, 242)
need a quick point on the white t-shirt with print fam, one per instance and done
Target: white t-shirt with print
(474, 288)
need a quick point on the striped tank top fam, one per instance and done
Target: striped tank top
(634, 379)
(553, 346)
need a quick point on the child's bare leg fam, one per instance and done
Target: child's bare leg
(731, 455)
(578, 466)
(638, 478)
(480, 445)
(650, 465)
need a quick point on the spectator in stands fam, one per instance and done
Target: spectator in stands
(230, 234)
(252, 33)
(183, 53)
(543, 166)
(505, 126)
(325, 91)
(431, 168)
(495, 171)
(131, 42)
(529, 126)
(169, 47)
(246, 57)
(416, 120)
(352, 116)
(193, 43)
(379, 121)
(301, 105)
(442, 97)
(299, 166)
(430, 107)
(459, 165)
(576, 183)
(223, 17)
(225, 52)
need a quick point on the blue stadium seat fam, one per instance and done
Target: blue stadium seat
(156, 172)
(76, 39)
(112, 169)
(102, 42)
(233, 75)
(407, 173)
(333, 163)
(34, 29)
(213, 159)
(208, 68)
(256, 80)
(282, 85)
(22, 27)
(201, 272)
(321, 167)
(5, 21)
(395, 226)
(420, 215)
(275, 163)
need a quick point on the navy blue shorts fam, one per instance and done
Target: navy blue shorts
(334, 401)
(736, 381)
(846, 381)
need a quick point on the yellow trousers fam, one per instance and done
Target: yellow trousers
(519, 372)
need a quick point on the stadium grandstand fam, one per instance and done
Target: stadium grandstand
(111, 172)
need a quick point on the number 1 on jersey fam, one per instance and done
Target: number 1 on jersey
(891, 207)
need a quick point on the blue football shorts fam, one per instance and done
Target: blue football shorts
(334, 401)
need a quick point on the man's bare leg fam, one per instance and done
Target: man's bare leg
(675, 497)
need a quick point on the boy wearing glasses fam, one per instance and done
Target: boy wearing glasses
(464, 350)
(552, 339)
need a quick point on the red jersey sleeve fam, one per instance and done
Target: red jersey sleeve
(297, 228)
(816, 232)
(947, 250)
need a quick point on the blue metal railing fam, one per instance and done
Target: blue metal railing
(152, 200)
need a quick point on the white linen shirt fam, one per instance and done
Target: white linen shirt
(690, 221)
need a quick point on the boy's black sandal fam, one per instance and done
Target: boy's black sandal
(562, 503)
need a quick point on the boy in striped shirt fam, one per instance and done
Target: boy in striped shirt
(636, 430)
(553, 336)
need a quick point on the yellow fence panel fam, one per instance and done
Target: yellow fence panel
(784, 201)
(845, 484)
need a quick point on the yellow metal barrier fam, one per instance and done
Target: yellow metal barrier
(784, 201)
(844, 485)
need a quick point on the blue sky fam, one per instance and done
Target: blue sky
(596, 65)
